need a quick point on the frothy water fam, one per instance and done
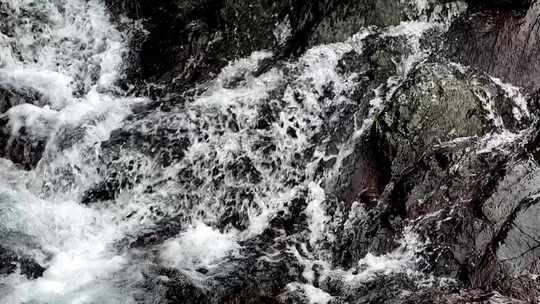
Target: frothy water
(252, 145)
(70, 55)
(199, 247)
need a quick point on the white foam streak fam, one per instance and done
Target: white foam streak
(313, 294)
(521, 109)
(316, 214)
(60, 50)
(200, 246)
(71, 46)
(401, 260)
(55, 86)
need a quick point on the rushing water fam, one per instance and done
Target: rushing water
(71, 55)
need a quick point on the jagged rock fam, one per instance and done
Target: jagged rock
(22, 148)
(164, 230)
(366, 229)
(257, 280)
(366, 171)
(175, 287)
(349, 17)
(436, 104)
(191, 41)
(10, 97)
(388, 289)
(10, 261)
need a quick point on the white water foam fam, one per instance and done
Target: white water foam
(313, 294)
(70, 53)
(73, 62)
(200, 246)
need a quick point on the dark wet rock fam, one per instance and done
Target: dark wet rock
(10, 97)
(366, 171)
(476, 296)
(165, 229)
(22, 148)
(191, 41)
(500, 38)
(163, 143)
(366, 229)
(449, 235)
(104, 191)
(371, 171)
(10, 261)
(476, 235)
(399, 171)
(389, 289)
(500, 4)
(439, 103)
(173, 286)
(522, 288)
(292, 219)
(259, 280)
(349, 17)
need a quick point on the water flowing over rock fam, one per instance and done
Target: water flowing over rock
(317, 152)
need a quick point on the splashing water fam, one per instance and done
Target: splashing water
(245, 147)
(70, 54)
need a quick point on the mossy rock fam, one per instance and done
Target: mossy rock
(439, 104)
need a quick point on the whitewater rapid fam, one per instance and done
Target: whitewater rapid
(71, 54)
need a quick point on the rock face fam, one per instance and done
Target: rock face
(191, 41)
(499, 38)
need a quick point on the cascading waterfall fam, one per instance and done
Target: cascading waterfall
(235, 154)
(70, 55)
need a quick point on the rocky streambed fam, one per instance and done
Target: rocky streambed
(269, 151)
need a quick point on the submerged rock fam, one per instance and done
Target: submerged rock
(21, 145)
(10, 262)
